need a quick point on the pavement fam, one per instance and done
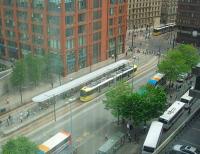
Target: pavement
(12, 99)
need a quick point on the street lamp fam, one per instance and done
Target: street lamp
(54, 106)
(70, 108)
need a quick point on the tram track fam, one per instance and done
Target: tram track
(44, 120)
(30, 104)
(40, 121)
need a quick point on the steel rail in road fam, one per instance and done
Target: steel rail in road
(48, 118)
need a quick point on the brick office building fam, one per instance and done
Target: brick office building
(83, 32)
(188, 22)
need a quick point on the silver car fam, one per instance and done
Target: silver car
(182, 149)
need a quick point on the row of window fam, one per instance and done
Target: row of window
(55, 5)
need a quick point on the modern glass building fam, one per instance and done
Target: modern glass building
(82, 32)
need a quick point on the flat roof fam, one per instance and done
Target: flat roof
(53, 141)
(153, 135)
(172, 110)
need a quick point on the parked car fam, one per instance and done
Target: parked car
(184, 149)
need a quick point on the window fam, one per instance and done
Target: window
(111, 11)
(53, 20)
(113, 1)
(53, 31)
(23, 37)
(23, 26)
(54, 5)
(82, 57)
(37, 29)
(81, 17)
(22, 15)
(22, 3)
(38, 4)
(96, 25)
(96, 52)
(81, 29)
(69, 20)
(8, 2)
(82, 4)
(96, 15)
(9, 23)
(111, 22)
(71, 62)
(54, 44)
(69, 5)
(37, 17)
(10, 34)
(97, 36)
(37, 40)
(70, 43)
(97, 3)
(81, 40)
(69, 32)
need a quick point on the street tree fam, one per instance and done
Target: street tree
(173, 65)
(33, 68)
(189, 54)
(48, 68)
(20, 145)
(139, 108)
(19, 76)
(57, 66)
(155, 100)
(115, 98)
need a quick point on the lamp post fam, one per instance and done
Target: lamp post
(70, 108)
(54, 107)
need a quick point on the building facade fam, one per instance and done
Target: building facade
(144, 13)
(168, 11)
(188, 22)
(82, 32)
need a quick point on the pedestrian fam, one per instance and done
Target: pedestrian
(189, 109)
(106, 137)
(129, 137)
(144, 128)
(7, 121)
(27, 114)
(128, 126)
(9, 117)
(21, 119)
(170, 96)
(7, 101)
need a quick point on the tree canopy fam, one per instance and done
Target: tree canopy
(179, 60)
(20, 145)
(134, 106)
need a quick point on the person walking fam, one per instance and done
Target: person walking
(189, 109)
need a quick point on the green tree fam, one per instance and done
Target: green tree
(173, 65)
(57, 66)
(33, 68)
(115, 98)
(154, 102)
(47, 69)
(18, 76)
(20, 145)
(189, 54)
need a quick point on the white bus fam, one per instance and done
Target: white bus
(152, 139)
(172, 114)
(55, 144)
(188, 100)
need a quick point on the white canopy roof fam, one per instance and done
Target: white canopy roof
(77, 82)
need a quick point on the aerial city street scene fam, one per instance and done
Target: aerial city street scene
(100, 77)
